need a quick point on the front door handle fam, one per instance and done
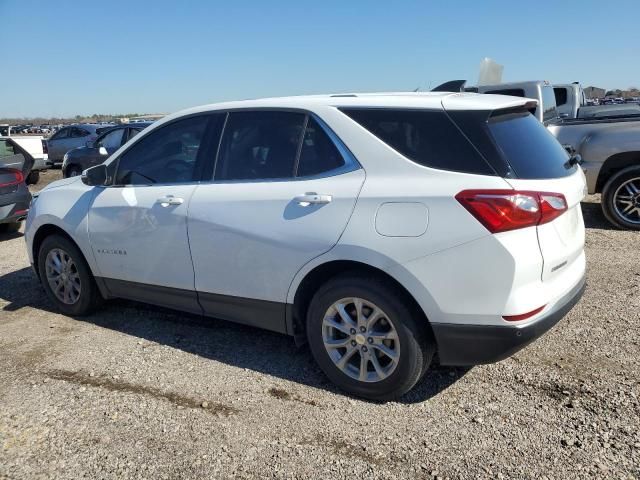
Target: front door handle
(312, 198)
(170, 200)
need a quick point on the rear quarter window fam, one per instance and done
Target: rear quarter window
(528, 147)
(426, 137)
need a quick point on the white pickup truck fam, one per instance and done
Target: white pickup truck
(36, 146)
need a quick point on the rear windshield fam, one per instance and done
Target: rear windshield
(528, 147)
(425, 137)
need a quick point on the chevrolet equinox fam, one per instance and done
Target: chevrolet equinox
(386, 230)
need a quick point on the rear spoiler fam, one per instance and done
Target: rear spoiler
(451, 86)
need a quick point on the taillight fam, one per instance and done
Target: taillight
(45, 147)
(18, 178)
(504, 210)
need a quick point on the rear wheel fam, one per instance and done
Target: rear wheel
(33, 177)
(366, 339)
(621, 199)
(73, 171)
(66, 277)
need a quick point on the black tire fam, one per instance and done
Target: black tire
(72, 171)
(12, 227)
(417, 346)
(33, 177)
(89, 298)
(608, 198)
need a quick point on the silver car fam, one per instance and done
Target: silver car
(71, 137)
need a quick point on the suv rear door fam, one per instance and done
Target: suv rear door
(282, 193)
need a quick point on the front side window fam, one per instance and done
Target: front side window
(318, 153)
(166, 155)
(561, 95)
(64, 133)
(112, 140)
(259, 145)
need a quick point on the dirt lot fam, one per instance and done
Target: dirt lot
(139, 392)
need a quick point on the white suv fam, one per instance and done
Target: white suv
(382, 228)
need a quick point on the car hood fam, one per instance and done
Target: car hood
(78, 152)
(61, 183)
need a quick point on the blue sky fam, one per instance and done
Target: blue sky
(113, 56)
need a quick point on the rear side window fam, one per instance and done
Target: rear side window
(527, 145)
(259, 145)
(426, 137)
(561, 95)
(78, 132)
(318, 153)
(549, 101)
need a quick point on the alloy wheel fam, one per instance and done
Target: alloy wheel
(626, 201)
(361, 339)
(63, 276)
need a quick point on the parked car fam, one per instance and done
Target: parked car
(36, 146)
(93, 153)
(380, 228)
(70, 137)
(15, 165)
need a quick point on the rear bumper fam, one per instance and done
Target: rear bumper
(13, 206)
(476, 344)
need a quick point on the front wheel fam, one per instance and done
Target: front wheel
(366, 339)
(66, 277)
(621, 199)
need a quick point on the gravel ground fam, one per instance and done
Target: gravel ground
(140, 392)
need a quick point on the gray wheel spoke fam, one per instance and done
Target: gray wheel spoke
(346, 357)
(386, 350)
(364, 364)
(346, 318)
(338, 326)
(366, 332)
(626, 201)
(341, 343)
(63, 276)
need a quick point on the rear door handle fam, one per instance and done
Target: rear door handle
(170, 200)
(312, 198)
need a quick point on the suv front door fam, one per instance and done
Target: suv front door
(138, 226)
(282, 194)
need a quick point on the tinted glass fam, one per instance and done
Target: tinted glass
(78, 132)
(425, 137)
(133, 132)
(259, 145)
(318, 153)
(561, 95)
(530, 149)
(112, 140)
(61, 134)
(549, 102)
(6, 149)
(167, 155)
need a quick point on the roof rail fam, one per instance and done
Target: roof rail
(343, 95)
(451, 86)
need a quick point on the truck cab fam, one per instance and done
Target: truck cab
(569, 99)
(540, 90)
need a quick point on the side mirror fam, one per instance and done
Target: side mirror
(95, 176)
(89, 144)
(103, 151)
